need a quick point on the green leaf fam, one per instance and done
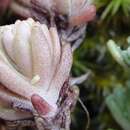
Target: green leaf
(119, 106)
(126, 7)
(107, 10)
(116, 6)
(116, 52)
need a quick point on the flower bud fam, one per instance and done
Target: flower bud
(33, 61)
(78, 11)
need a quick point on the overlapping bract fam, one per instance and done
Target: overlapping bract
(78, 11)
(32, 61)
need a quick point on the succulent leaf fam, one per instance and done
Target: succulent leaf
(33, 61)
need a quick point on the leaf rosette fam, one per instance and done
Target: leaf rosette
(34, 65)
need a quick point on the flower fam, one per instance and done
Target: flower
(34, 64)
(69, 16)
(78, 11)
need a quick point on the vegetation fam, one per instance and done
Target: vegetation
(106, 92)
(107, 87)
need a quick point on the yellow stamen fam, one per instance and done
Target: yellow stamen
(35, 79)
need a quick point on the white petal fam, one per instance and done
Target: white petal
(30, 21)
(22, 49)
(4, 58)
(7, 39)
(15, 82)
(41, 56)
(56, 49)
(11, 114)
(62, 72)
(48, 38)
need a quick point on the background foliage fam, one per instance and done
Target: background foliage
(106, 92)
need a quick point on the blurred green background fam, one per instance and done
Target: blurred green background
(106, 93)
